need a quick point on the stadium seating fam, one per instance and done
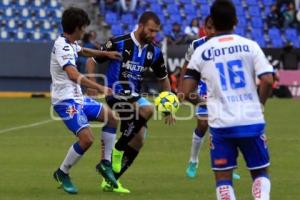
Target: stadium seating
(30, 20)
(39, 20)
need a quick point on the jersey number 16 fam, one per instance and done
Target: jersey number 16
(235, 73)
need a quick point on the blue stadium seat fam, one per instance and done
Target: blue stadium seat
(151, 1)
(127, 19)
(111, 18)
(268, 3)
(22, 3)
(37, 4)
(20, 36)
(36, 36)
(240, 11)
(185, 2)
(5, 3)
(257, 33)
(168, 2)
(167, 29)
(189, 9)
(254, 11)
(40, 13)
(201, 2)
(257, 22)
(46, 26)
(172, 9)
(261, 42)
(252, 2)
(25, 13)
(162, 18)
(236, 2)
(240, 31)
(29, 25)
(274, 33)
(277, 42)
(54, 4)
(156, 8)
(175, 18)
(291, 33)
(242, 22)
(117, 30)
(4, 35)
(9, 13)
(205, 9)
(11, 24)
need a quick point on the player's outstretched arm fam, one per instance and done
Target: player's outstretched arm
(180, 81)
(265, 87)
(97, 53)
(188, 87)
(78, 78)
(165, 84)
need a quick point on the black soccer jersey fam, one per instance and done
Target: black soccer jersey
(127, 74)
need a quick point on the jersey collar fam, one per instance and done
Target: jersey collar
(136, 42)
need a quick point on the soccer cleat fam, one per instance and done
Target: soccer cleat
(117, 157)
(106, 187)
(191, 170)
(105, 169)
(236, 176)
(65, 182)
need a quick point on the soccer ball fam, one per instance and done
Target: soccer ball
(167, 102)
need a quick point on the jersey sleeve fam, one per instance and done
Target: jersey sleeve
(65, 55)
(109, 46)
(159, 68)
(189, 53)
(261, 63)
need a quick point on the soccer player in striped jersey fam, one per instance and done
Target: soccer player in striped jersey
(201, 111)
(229, 63)
(126, 78)
(75, 109)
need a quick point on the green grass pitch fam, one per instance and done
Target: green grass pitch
(28, 157)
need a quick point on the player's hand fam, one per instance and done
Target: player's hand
(170, 119)
(113, 55)
(91, 92)
(105, 90)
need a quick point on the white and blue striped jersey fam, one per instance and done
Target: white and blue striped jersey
(64, 53)
(229, 64)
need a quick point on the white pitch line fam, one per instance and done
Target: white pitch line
(26, 126)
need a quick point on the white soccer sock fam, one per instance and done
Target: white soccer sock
(195, 148)
(225, 192)
(108, 141)
(261, 188)
(73, 156)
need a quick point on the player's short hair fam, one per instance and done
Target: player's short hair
(146, 16)
(223, 15)
(72, 18)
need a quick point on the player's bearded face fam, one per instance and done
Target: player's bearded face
(149, 31)
(209, 28)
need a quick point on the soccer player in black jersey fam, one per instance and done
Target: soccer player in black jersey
(125, 78)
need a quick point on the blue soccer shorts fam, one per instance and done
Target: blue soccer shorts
(224, 152)
(76, 116)
(201, 111)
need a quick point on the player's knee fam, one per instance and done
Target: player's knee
(113, 120)
(86, 138)
(146, 111)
